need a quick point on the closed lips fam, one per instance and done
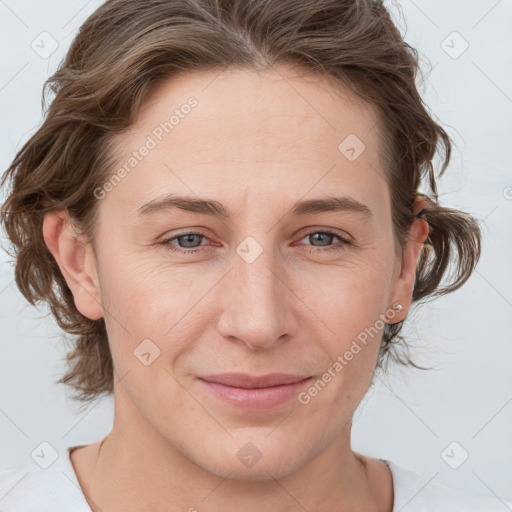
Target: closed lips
(254, 382)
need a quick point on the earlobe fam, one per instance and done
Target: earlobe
(76, 261)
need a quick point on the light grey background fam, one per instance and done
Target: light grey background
(411, 417)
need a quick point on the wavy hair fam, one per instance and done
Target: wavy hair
(127, 47)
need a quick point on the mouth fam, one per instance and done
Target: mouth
(255, 392)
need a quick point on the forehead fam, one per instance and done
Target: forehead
(256, 103)
(271, 133)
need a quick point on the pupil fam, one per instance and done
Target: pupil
(323, 235)
(187, 239)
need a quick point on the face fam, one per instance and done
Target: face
(275, 281)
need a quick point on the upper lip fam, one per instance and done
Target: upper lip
(242, 380)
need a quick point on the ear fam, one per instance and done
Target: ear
(76, 261)
(403, 284)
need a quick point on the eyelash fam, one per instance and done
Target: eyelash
(171, 247)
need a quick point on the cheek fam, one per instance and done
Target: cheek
(350, 346)
(148, 302)
(351, 310)
(349, 298)
(142, 291)
(147, 297)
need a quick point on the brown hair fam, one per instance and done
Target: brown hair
(126, 47)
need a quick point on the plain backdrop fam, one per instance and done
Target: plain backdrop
(426, 421)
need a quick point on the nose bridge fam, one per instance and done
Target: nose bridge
(257, 279)
(255, 303)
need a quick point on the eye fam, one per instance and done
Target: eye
(190, 242)
(325, 239)
(185, 240)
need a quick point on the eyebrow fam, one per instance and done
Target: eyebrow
(212, 207)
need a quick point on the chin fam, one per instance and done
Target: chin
(245, 458)
(263, 471)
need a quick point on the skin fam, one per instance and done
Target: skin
(256, 142)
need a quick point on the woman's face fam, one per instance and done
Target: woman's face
(273, 282)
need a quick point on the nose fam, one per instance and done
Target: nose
(257, 304)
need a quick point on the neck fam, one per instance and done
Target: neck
(138, 480)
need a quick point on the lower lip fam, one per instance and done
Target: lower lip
(256, 399)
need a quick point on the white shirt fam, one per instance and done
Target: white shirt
(56, 489)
